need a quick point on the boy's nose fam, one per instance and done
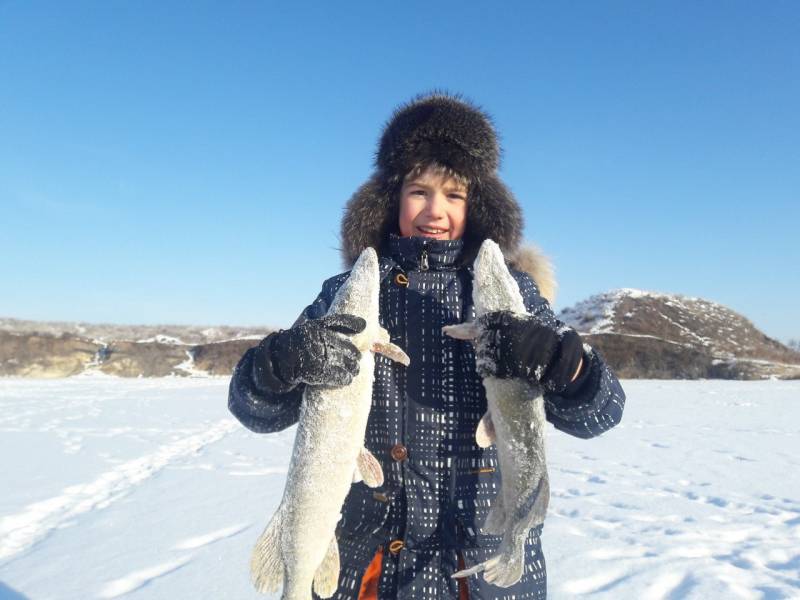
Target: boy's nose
(436, 205)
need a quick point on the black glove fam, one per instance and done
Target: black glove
(313, 352)
(522, 346)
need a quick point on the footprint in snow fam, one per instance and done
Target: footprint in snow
(791, 564)
(670, 586)
(623, 506)
(278, 470)
(598, 582)
(717, 501)
(136, 579)
(793, 522)
(631, 551)
(205, 539)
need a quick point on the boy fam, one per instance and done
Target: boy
(433, 198)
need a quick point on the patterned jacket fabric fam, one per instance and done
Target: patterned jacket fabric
(438, 483)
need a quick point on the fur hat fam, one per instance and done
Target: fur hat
(448, 131)
(438, 129)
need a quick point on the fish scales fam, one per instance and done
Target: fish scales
(298, 549)
(515, 421)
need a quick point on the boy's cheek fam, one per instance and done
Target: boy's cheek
(406, 218)
(459, 229)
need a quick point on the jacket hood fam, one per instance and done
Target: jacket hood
(454, 133)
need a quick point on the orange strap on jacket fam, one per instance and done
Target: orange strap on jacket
(463, 588)
(369, 583)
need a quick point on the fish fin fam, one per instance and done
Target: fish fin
(485, 434)
(472, 570)
(357, 475)
(369, 468)
(539, 509)
(266, 562)
(383, 336)
(391, 351)
(326, 579)
(495, 523)
(505, 569)
(462, 331)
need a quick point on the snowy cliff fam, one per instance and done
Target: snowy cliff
(651, 334)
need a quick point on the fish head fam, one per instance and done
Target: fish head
(494, 288)
(359, 296)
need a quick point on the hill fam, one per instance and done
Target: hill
(669, 336)
(641, 334)
(52, 349)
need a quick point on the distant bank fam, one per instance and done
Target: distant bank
(641, 334)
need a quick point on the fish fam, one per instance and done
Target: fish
(515, 422)
(298, 549)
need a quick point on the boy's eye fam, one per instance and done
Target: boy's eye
(421, 192)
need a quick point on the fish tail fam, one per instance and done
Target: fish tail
(266, 562)
(485, 434)
(472, 570)
(505, 569)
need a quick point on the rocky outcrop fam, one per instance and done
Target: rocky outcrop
(144, 359)
(221, 357)
(105, 332)
(649, 357)
(42, 350)
(641, 334)
(45, 355)
(669, 336)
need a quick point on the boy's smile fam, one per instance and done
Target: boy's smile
(434, 206)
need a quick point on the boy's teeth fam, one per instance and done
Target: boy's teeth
(431, 230)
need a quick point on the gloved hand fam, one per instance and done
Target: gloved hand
(522, 346)
(314, 352)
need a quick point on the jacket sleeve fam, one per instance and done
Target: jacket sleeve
(262, 408)
(596, 405)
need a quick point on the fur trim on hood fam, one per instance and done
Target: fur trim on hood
(531, 260)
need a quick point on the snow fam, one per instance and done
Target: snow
(596, 314)
(149, 489)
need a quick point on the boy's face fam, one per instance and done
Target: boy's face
(434, 206)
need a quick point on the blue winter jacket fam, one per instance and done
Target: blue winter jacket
(438, 483)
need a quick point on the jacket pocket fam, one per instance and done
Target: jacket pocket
(364, 511)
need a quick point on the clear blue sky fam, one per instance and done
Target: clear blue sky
(187, 162)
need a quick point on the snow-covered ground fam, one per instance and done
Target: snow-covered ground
(149, 489)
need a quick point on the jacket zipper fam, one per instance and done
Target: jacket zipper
(423, 259)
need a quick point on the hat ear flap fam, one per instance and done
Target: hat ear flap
(370, 216)
(492, 212)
